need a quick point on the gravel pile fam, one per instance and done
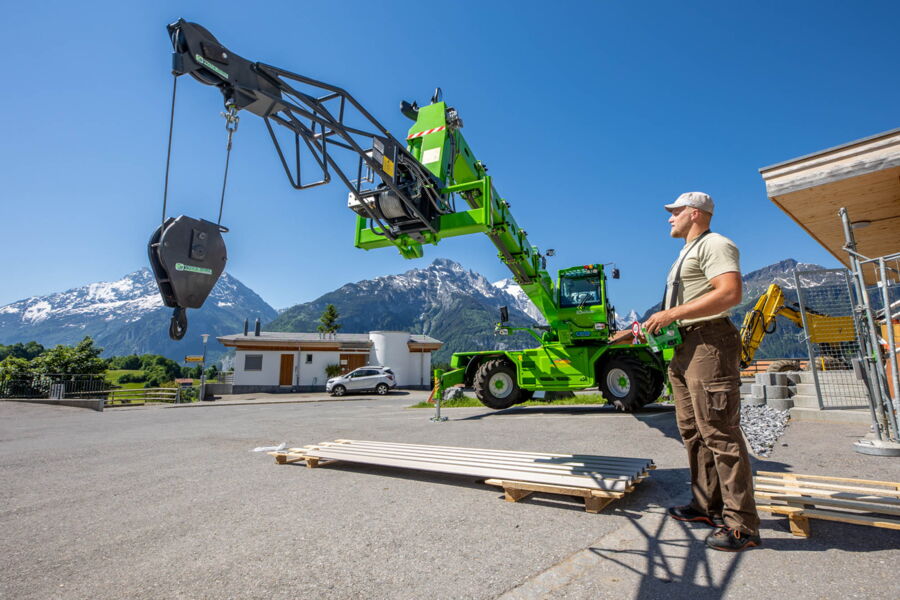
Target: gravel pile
(762, 426)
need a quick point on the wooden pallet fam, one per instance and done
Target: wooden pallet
(597, 479)
(804, 497)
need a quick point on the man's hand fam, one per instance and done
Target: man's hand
(658, 320)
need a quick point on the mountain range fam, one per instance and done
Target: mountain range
(128, 317)
(443, 300)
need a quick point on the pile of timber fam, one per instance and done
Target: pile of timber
(804, 497)
(597, 479)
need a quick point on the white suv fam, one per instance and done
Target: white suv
(364, 379)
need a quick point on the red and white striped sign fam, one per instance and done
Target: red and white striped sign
(426, 132)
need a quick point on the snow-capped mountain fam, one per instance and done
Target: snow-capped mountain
(128, 316)
(625, 322)
(444, 300)
(522, 301)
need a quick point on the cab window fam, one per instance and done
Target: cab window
(583, 291)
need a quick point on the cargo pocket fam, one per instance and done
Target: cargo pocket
(723, 397)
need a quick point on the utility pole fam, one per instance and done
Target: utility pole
(205, 337)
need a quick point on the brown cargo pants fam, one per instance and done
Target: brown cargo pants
(705, 377)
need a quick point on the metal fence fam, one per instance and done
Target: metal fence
(53, 385)
(826, 300)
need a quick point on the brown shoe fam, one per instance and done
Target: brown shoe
(727, 539)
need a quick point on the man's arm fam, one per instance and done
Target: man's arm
(726, 292)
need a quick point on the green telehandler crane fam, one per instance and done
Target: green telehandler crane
(404, 194)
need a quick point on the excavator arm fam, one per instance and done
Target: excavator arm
(759, 321)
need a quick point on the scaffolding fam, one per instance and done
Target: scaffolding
(877, 313)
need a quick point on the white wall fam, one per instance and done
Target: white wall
(411, 368)
(271, 366)
(314, 372)
(419, 369)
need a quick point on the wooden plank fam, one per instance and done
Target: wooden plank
(832, 486)
(386, 454)
(556, 489)
(537, 459)
(890, 484)
(479, 470)
(638, 462)
(762, 490)
(832, 515)
(485, 462)
(848, 504)
(594, 501)
(586, 467)
(856, 519)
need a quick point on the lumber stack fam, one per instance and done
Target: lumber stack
(596, 479)
(803, 497)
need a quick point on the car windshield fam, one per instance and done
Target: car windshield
(583, 291)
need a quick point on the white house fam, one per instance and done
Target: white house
(276, 361)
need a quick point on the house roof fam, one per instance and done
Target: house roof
(862, 176)
(344, 340)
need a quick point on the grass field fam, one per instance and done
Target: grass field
(472, 402)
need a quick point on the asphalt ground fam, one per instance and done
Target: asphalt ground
(156, 502)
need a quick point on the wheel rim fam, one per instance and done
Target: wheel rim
(618, 383)
(382, 389)
(339, 391)
(500, 385)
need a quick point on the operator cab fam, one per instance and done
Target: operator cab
(582, 303)
(580, 287)
(579, 292)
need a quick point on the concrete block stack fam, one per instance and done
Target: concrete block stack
(772, 389)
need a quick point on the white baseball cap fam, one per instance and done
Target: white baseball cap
(693, 199)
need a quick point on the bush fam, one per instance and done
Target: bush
(332, 370)
(132, 362)
(132, 378)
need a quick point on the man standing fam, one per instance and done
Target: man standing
(703, 284)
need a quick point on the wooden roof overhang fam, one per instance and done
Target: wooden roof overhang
(861, 176)
(289, 346)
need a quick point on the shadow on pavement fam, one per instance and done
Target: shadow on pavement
(598, 409)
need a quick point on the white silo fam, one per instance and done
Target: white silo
(391, 350)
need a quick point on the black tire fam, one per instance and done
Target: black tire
(495, 384)
(381, 389)
(627, 383)
(830, 363)
(783, 366)
(338, 390)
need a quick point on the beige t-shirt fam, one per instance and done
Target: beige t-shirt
(710, 257)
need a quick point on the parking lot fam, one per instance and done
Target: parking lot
(157, 502)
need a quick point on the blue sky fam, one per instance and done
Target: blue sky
(590, 115)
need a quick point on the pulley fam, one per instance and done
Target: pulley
(187, 257)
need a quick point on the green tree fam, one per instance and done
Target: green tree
(19, 350)
(84, 358)
(333, 370)
(131, 362)
(13, 367)
(329, 319)
(166, 368)
(212, 372)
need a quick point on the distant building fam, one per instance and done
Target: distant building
(285, 362)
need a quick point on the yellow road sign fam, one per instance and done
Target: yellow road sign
(193, 359)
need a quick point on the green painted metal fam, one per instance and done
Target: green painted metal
(575, 305)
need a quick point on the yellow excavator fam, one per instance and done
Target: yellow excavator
(822, 329)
